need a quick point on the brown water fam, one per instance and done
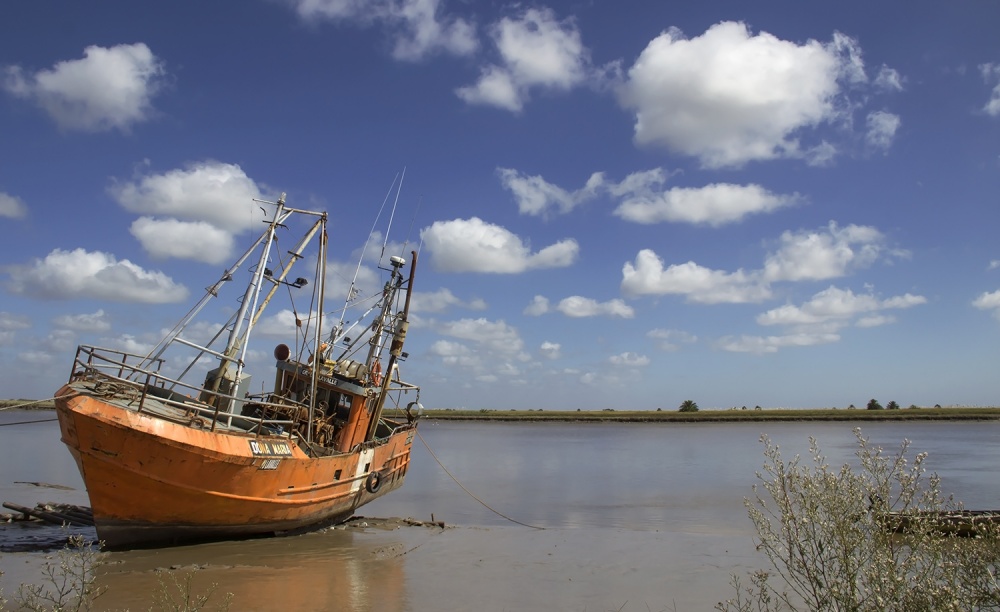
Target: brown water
(635, 517)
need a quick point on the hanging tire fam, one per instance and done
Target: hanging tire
(373, 483)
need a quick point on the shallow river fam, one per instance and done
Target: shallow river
(608, 517)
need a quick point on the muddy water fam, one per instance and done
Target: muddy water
(631, 517)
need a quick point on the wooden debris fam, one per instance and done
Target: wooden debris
(57, 514)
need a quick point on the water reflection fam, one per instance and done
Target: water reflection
(328, 570)
(654, 476)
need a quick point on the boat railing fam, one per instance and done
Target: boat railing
(113, 365)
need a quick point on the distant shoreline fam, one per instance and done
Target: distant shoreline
(717, 416)
(954, 413)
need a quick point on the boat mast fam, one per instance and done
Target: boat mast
(214, 380)
(318, 331)
(157, 351)
(398, 338)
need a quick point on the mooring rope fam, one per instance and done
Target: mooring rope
(32, 403)
(470, 493)
(28, 422)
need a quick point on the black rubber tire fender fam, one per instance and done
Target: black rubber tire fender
(373, 483)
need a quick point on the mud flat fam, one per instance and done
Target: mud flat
(395, 564)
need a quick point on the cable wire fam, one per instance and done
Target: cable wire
(470, 493)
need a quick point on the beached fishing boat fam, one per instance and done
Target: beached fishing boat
(174, 446)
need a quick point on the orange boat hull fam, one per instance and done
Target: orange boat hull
(156, 482)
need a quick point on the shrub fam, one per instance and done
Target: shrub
(826, 534)
(68, 582)
(892, 406)
(177, 595)
(874, 405)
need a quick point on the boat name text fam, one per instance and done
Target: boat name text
(261, 448)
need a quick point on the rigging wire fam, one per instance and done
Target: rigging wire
(409, 232)
(364, 249)
(470, 493)
(392, 214)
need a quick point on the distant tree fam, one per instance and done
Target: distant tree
(659, 409)
(874, 405)
(914, 406)
(757, 407)
(744, 408)
(937, 405)
(851, 407)
(688, 406)
(892, 406)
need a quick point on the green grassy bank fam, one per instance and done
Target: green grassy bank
(707, 416)
(27, 404)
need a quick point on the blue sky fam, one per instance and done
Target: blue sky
(617, 204)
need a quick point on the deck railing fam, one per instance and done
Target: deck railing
(144, 376)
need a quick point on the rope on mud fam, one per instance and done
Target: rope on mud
(470, 493)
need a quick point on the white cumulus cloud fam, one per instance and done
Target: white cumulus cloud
(441, 300)
(539, 305)
(838, 307)
(12, 207)
(537, 51)
(820, 319)
(771, 344)
(670, 339)
(536, 196)
(989, 301)
(647, 276)
(191, 213)
(198, 240)
(577, 307)
(92, 322)
(218, 193)
(823, 254)
(83, 274)
(714, 205)
(10, 324)
(109, 88)
(473, 245)
(550, 350)
(418, 27)
(487, 350)
(729, 96)
(889, 79)
(629, 359)
(882, 127)
(991, 74)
